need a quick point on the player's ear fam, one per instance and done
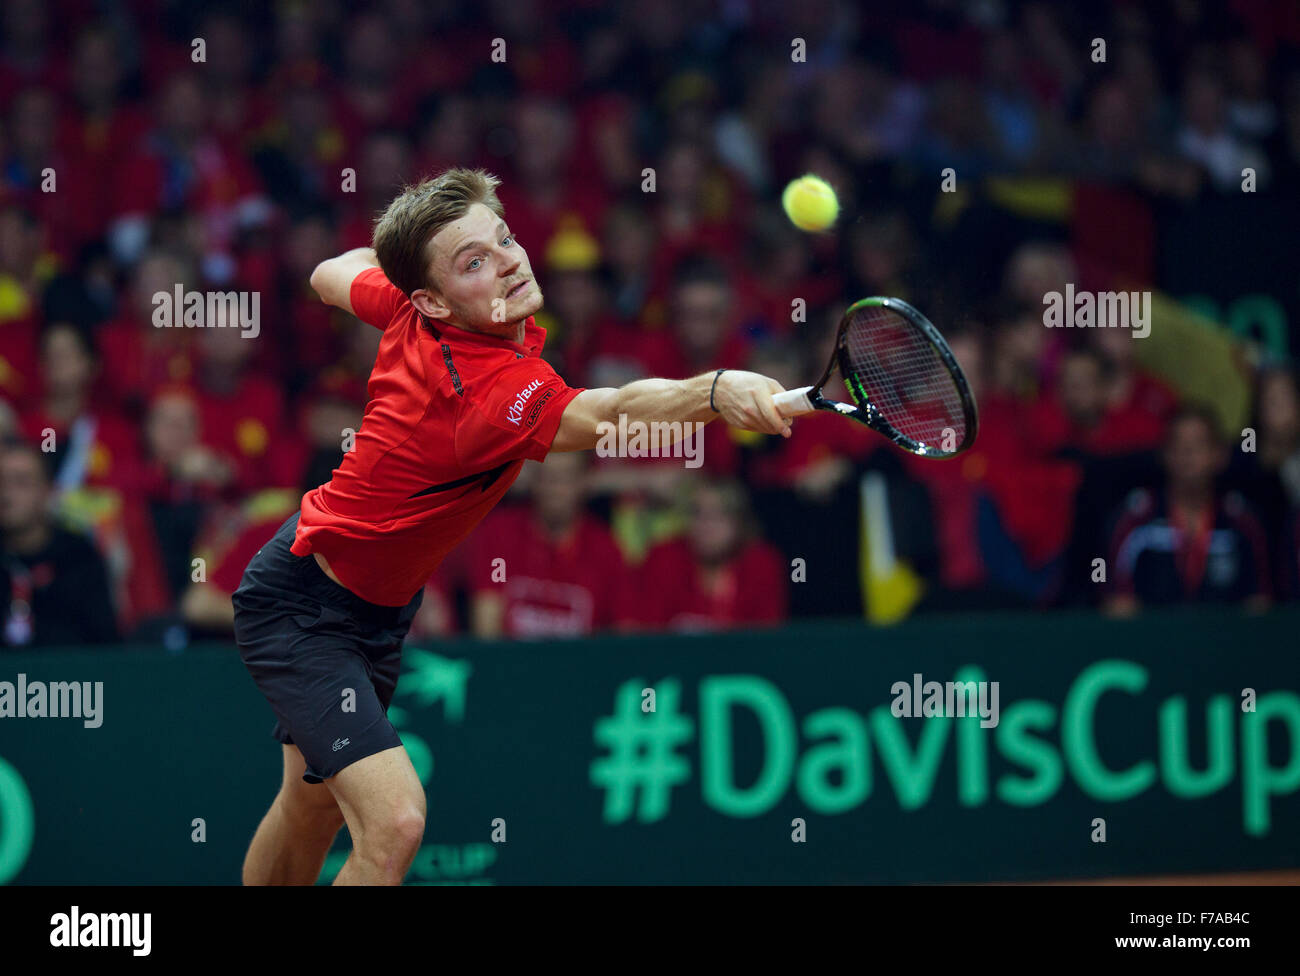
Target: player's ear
(429, 303)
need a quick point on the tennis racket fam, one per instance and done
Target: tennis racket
(902, 378)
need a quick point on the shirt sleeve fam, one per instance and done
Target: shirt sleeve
(513, 414)
(375, 299)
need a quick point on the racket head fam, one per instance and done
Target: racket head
(904, 381)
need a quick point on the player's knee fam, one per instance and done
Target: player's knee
(397, 833)
(407, 827)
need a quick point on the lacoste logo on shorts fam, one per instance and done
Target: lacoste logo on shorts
(340, 743)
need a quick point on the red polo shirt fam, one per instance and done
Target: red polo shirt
(450, 420)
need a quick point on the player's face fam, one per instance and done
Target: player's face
(485, 281)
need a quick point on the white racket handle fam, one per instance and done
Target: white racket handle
(792, 403)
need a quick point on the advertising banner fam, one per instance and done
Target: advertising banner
(967, 749)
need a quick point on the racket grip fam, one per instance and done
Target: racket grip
(792, 403)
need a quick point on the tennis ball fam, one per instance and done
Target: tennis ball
(810, 203)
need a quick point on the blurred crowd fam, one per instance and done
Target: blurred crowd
(984, 157)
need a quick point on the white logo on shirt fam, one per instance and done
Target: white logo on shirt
(516, 412)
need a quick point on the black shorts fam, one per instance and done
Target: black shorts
(325, 659)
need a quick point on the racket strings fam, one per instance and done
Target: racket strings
(903, 376)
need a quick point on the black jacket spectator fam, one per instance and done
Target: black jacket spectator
(58, 594)
(1226, 560)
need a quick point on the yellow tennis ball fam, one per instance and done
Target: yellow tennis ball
(810, 203)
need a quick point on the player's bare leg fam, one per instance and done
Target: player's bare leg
(383, 803)
(294, 837)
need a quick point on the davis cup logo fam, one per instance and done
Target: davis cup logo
(516, 412)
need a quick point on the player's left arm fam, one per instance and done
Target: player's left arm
(333, 278)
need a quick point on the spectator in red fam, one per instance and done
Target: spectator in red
(958, 489)
(1138, 406)
(53, 582)
(91, 137)
(182, 479)
(1026, 523)
(242, 410)
(91, 442)
(139, 356)
(546, 569)
(1075, 416)
(1188, 541)
(719, 576)
(1083, 415)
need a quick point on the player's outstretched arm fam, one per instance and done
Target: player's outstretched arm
(332, 279)
(741, 398)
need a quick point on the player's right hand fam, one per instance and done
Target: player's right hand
(745, 400)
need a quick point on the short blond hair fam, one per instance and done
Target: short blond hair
(402, 234)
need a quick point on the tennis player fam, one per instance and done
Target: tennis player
(459, 397)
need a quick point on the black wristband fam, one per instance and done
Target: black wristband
(713, 388)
